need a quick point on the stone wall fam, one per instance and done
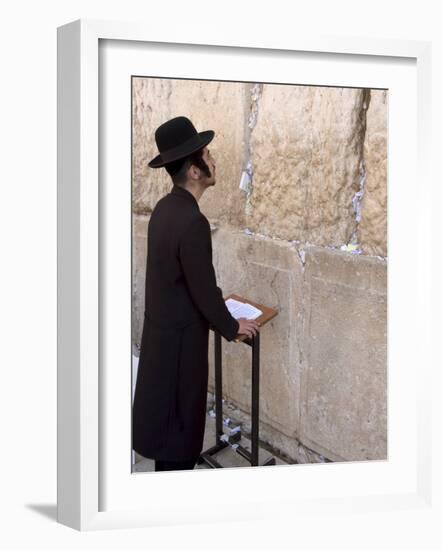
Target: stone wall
(308, 237)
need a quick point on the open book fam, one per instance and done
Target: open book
(241, 310)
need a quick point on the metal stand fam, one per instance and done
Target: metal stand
(253, 457)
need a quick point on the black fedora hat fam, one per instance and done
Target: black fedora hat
(177, 138)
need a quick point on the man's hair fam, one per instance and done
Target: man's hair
(178, 169)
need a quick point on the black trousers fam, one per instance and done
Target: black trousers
(169, 465)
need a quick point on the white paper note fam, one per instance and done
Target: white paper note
(241, 310)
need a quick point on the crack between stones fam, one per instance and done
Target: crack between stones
(301, 251)
(247, 175)
(352, 244)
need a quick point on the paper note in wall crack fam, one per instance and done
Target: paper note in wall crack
(240, 309)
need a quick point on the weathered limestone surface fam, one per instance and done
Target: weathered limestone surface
(268, 272)
(290, 448)
(323, 358)
(306, 152)
(218, 106)
(306, 145)
(344, 376)
(151, 108)
(372, 230)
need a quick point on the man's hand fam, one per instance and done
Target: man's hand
(248, 327)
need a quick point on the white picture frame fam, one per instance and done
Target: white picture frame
(80, 445)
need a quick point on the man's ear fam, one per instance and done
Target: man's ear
(194, 172)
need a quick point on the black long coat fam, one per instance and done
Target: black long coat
(182, 301)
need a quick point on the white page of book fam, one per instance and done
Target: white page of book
(240, 310)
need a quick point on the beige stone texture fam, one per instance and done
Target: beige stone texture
(306, 152)
(289, 448)
(344, 375)
(150, 108)
(324, 357)
(372, 231)
(218, 106)
(268, 272)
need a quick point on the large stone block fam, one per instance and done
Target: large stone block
(306, 151)
(344, 372)
(218, 106)
(323, 358)
(150, 108)
(372, 229)
(266, 271)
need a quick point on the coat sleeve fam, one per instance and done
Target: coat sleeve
(196, 261)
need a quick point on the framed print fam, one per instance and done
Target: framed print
(317, 140)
